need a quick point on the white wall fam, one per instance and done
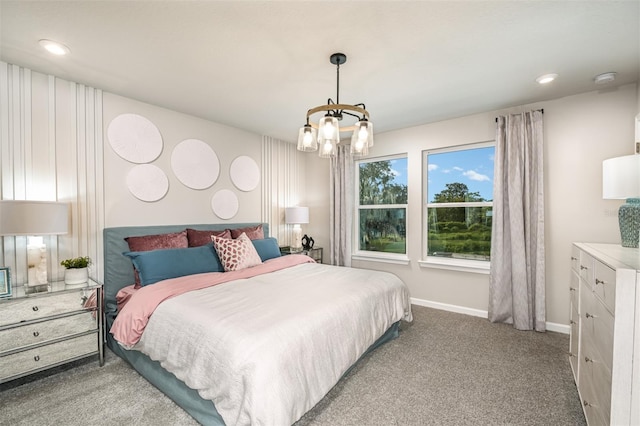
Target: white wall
(54, 146)
(580, 131)
(181, 204)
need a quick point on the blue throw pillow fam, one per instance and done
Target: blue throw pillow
(158, 265)
(267, 248)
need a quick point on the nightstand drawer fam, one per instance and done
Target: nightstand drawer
(48, 330)
(25, 362)
(32, 308)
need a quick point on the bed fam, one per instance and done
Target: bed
(256, 345)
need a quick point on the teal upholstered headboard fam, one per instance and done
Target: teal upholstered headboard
(118, 271)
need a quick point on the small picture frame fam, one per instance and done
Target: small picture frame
(5, 282)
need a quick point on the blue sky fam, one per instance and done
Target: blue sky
(473, 167)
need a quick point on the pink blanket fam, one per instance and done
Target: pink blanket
(132, 320)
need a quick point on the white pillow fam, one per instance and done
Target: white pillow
(236, 254)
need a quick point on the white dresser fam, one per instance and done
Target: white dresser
(43, 330)
(605, 332)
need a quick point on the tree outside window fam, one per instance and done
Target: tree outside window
(382, 205)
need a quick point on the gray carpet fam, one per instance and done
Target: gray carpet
(444, 369)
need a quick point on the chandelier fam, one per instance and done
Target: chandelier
(326, 132)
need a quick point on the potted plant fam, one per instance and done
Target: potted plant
(76, 270)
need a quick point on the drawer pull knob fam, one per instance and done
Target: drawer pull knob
(572, 322)
(571, 355)
(35, 309)
(599, 282)
(587, 359)
(572, 289)
(574, 258)
(36, 358)
(588, 315)
(583, 267)
(36, 333)
(587, 404)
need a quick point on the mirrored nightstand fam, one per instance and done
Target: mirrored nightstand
(49, 328)
(314, 253)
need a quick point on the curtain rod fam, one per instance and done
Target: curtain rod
(541, 110)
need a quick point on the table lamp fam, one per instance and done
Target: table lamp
(34, 219)
(296, 216)
(621, 181)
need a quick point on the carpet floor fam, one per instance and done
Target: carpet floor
(444, 369)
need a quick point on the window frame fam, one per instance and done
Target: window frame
(356, 253)
(467, 265)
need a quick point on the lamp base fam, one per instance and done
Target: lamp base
(629, 219)
(296, 244)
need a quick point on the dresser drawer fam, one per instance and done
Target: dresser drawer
(597, 327)
(598, 375)
(586, 268)
(18, 337)
(18, 364)
(574, 340)
(575, 259)
(605, 284)
(574, 285)
(592, 411)
(32, 308)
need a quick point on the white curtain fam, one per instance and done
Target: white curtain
(341, 207)
(517, 282)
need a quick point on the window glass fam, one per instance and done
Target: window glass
(382, 205)
(460, 202)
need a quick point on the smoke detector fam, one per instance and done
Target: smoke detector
(604, 78)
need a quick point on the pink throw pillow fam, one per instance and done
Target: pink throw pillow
(156, 242)
(199, 238)
(253, 232)
(159, 241)
(236, 254)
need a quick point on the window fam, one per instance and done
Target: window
(459, 204)
(381, 220)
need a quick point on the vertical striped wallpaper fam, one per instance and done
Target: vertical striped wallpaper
(51, 148)
(282, 184)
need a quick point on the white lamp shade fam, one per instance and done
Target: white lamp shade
(296, 215)
(18, 217)
(621, 177)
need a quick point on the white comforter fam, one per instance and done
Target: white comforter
(266, 349)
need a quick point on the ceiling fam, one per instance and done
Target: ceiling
(259, 65)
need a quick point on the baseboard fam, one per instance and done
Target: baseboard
(551, 326)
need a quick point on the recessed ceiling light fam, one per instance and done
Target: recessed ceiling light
(606, 77)
(547, 78)
(54, 47)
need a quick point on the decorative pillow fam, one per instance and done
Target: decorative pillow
(253, 232)
(155, 242)
(236, 254)
(202, 238)
(158, 265)
(267, 248)
(159, 241)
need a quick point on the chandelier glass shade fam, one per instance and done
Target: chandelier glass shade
(325, 134)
